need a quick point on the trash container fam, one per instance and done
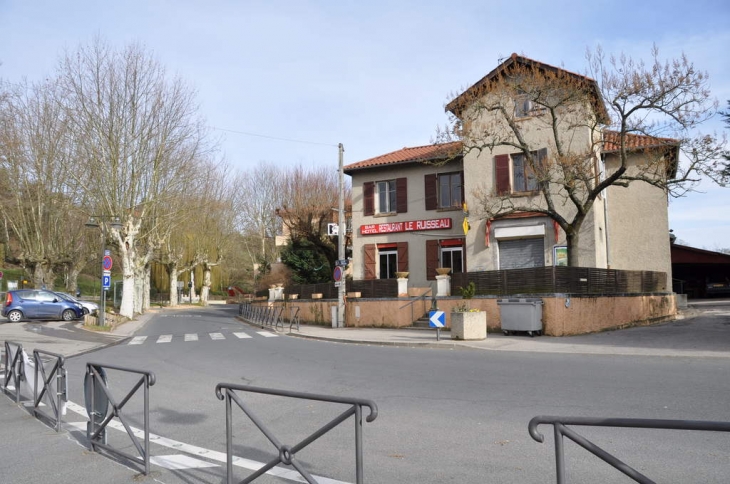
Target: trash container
(521, 314)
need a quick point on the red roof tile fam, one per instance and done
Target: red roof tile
(410, 155)
(635, 141)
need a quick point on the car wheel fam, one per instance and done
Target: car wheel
(68, 315)
(15, 316)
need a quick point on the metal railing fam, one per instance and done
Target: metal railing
(263, 315)
(55, 394)
(293, 317)
(14, 369)
(421, 298)
(96, 379)
(561, 430)
(287, 453)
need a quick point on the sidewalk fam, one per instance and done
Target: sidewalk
(691, 335)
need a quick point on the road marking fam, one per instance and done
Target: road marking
(138, 340)
(164, 338)
(242, 335)
(216, 336)
(176, 462)
(266, 334)
(191, 337)
(213, 455)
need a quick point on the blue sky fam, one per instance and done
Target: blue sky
(373, 75)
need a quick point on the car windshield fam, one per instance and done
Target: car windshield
(65, 296)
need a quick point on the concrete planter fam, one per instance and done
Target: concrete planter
(469, 325)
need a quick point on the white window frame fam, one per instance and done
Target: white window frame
(385, 190)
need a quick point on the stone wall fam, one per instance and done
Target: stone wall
(562, 315)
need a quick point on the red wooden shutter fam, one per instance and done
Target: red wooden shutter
(432, 259)
(401, 195)
(501, 164)
(402, 256)
(368, 193)
(431, 191)
(463, 188)
(369, 253)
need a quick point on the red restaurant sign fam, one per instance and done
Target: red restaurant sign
(409, 226)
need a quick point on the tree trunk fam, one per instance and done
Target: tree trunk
(172, 273)
(205, 289)
(572, 240)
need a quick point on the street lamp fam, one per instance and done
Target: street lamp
(98, 221)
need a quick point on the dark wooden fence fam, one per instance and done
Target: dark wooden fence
(536, 280)
(561, 280)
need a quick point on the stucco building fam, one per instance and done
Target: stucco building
(410, 206)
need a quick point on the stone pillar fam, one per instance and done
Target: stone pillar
(443, 286)
(402, 287)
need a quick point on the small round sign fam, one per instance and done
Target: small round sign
(106, 263)
(337, 274)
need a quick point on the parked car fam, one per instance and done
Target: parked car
(39, 304)
(88, 307)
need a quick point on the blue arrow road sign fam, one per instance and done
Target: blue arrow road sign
(106, 281)
(436, 319)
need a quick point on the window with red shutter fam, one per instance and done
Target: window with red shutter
(369, 258)
(501, 165)
(431, 191)
(402, 256)
(368, 195)
(432, 259)
(401, 195)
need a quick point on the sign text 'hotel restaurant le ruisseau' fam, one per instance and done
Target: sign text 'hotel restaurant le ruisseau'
(409, 226)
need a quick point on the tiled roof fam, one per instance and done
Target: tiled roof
(635, 141)
(410, 155)
(446, 150)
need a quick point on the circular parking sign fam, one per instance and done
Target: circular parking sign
(337, 274)
(106, 263)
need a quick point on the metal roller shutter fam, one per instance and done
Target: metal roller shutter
(521, 253)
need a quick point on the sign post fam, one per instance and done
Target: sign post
(437, 319)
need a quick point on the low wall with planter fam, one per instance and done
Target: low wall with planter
(562, 315)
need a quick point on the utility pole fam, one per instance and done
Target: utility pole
(341, 236)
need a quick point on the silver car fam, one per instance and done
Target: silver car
(86, 306)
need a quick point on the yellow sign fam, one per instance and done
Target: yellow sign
(465, 225)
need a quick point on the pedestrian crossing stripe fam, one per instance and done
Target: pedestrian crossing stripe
(216, 336)
(191, 337)
(164, 338)
(138, 340)
(266, 334)
(242, 335)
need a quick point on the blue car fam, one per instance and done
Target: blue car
(39, 304)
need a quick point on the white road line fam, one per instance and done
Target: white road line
(213, 455)
(138, 340)
(178, 461)
(164, 338)
(242, 335)
(266, 334)
(191, 337)
(216, 336)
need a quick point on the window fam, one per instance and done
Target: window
(514, 174)
(390, 196)
(523, 107)
(452, 257)
(388, 259)
(444, 190)
(450, 190)
(386, 196)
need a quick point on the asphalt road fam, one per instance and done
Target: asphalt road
(445, 415)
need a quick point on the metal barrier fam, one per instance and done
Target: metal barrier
(263, 315)
(14, 368)
(293, 317)
(95, 378)
(55, 396)
(560, 429)
(287, 453)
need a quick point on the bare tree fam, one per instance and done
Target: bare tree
(560, 123)
(42, 204)
(138, 139)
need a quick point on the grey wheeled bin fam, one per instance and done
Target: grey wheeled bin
(521, 314)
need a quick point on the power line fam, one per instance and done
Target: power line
(275, 138)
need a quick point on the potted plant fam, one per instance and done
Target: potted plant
(468, 323)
